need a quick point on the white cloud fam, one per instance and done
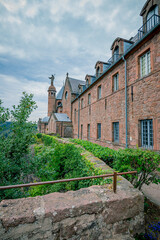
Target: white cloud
(10, 19)
(42, 37)
(32, 10)
(13, 5)
(12, 88)
(12, 51)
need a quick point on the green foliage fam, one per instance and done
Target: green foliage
(143, 161)
(62, 161)
(39, 135)
(104, 153)
(4, 113)
(14, 146)
(48, 140)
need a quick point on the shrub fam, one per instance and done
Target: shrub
(48, 140)
(104, 153)
(62, 161)
(143, 161)
(39, 135)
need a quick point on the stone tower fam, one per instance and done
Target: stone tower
(51, 97)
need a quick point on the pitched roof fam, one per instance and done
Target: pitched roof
(62, 117)
(74, 84)
(45, 119)
(60, 93)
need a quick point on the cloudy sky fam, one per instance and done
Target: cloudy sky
(43, 37)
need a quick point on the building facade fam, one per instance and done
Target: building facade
(120, 105)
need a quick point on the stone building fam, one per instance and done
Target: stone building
(120, 105)
(58, 120)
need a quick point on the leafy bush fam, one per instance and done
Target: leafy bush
(62, 161)
(39, 135)
(48, 140)
(143, 161)
(104, 153)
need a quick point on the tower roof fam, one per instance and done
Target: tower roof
(52, 88)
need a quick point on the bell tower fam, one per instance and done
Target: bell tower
(51, 97)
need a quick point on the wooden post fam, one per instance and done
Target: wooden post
(115, 182)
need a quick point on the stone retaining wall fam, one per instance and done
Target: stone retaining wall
(90, 213)
(87, 214)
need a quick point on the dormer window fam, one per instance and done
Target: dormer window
(87, 83)
(152, 19)
(116, 54)
(79, 89)
(98, 72)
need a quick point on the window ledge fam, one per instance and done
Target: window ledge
(141, 78)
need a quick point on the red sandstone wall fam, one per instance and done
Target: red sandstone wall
(145, 105)
(67, 102)
(52, 125)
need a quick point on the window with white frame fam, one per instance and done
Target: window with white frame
(145, 64)
(147, 133)
(116, 132)
(115, 82)
(152, 17)
(99, 92)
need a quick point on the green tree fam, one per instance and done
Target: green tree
(14, 144)
(4, 113)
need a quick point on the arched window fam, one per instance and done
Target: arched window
(152, 18)
(66, 95)
(116, 54)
